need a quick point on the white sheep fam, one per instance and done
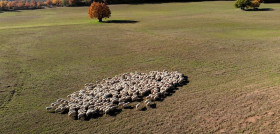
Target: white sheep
(118, 91)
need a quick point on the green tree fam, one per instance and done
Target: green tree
(65, 3)
(242, 4)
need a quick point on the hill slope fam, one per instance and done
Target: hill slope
(231, 58)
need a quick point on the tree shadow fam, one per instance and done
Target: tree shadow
(10, 11)
(261, 9)
(20, 10)
(121, 21)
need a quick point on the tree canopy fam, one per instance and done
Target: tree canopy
(99, 11)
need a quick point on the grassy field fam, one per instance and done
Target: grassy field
(231, 58)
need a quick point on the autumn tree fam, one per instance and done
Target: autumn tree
(14, 3)
(3, 4)
(71, 2)
(10, 4)
(38, 4)
(99, 11)
(20, 4)
(256, 3)
(55, 2)
(48, 2)
(32, 4)
(26, 4)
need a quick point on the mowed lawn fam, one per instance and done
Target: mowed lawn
(232, 59)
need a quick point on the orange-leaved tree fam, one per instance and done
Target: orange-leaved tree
(38, 4)
(9, 4)
(32, 4)
(99, 11)
(48, 3)
(20, 4)
(14, 3)
(26, 4)
(256, 3)
(55, 2)
(2, 4)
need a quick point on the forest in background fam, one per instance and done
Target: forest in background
(165, 1)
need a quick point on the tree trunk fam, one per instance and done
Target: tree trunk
(100, 19)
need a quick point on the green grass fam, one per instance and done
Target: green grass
(231, 58)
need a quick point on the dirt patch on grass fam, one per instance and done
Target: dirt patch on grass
(243, 112)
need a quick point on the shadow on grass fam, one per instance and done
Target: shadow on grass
(120, 21)
(20, 10)
(10, 11)
(261, 9)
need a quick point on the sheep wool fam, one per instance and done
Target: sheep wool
(118, 92)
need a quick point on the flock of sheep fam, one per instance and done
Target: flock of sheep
(118, 92)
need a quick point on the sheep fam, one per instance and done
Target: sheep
(126, 105)
(138, 106)
(81, 116)
(148, 104)
(134, 98)
(72, 114)
(90, 112)
(49, 108)
(119, 91)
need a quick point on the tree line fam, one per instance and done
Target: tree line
(32, 4)
(163, 1)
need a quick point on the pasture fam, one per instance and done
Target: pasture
(231, 58)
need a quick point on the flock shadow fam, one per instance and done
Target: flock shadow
(121, 21)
